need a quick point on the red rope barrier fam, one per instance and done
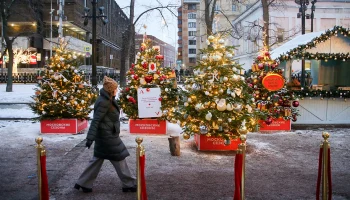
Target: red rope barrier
(318, 185)
(44, 179)
(238, 176)
(143, 180)
(329, 175)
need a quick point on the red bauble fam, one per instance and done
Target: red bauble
(261, 66)
(132, 65)
(160, 99)
(145, 65)
(159, 57)
(268, 121)
(136, 77)
(127, 89)
(280, 101)
(260, 57)
(148, 79)
(267, 53)
(142, 48)
(273, 66)
(294, 118)
(158, 72)
(295, 103)
(132, 72)
(132, 100)
(162, 78)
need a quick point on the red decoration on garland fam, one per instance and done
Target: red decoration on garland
(148, 79)
(136, 77)
(127, 89)
(158, 72)
(268, 121)
(132, 100)
(160, 99)
(295, 103)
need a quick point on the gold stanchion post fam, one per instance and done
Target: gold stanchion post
(39, 147)
(325, 147)
(139, 152)
(242, 149)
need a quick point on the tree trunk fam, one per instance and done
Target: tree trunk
(9, 67)
(209, 15)
(266, 19)
(174, 145)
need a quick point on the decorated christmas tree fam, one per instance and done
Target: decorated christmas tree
(147, 72)
(270, 92)
(62, 91)
(217, 102)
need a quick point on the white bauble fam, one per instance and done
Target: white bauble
(235, 77)
(229, 120)
(50, 70)
(238, 107)
(211, 37)
(233, 94)
(82, 101)
(234, 69)
(228, 91)
(74, 57)
(242, 78)
(56, 77)
(229, 107)
(75, 71)
(249, 108)
(75, 102)
(138, 54)
(198, 106)
(44, 112)
(206, 93)
(221, 105)
(225, 79)
(229, 55)
(204, 57)
(65, 80)
(166, 89)
(208, 116)
(186, 104)
(209, 68)
(189, 100)
(64, 98)
(221, 41)
(238, 91)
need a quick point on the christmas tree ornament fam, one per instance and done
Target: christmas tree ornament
(295, 103)
(186, 136)
(229, 107)
(208, 116)
(221, 105)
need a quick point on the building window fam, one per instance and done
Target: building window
(180, 37)
(234, 7)
(191, 6)
(191, 24)
(192, 42)
(280, 33)
(191, 33)
(191, 15)
(192, 51)
(217, 7)
(180, 29)
(192, 60)
(179, 21)
(179, 13)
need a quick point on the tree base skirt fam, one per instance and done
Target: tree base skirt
(276, 125)
(205, 143)
(147, 126)
(63, 126)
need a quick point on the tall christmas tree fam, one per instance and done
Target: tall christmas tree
(271, 96)
(217, 101)
(62, 91)
(148, 72)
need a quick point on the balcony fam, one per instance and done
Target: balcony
(192, 1)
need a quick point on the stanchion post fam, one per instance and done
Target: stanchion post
(325, 174)
(39, 148)
(139, 152)
(242, 148)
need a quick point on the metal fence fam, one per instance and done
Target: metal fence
(32, 77)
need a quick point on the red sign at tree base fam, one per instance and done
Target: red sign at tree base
(277, 125)
(63, 126)
(147, 126)
(205, 143)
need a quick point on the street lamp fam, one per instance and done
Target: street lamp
(312, 14)
(301, 14)
(104, 19)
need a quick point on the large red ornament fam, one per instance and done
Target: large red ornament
(162, 78)
(127, 89)
(132, 100)
(159, 57)
(260, 57)
(142, 48)
(267, 53)
(160, 99)
(136, 77)
(132, 65)
(148, 79)
(295, 103)
(145, 65)
(261, 66)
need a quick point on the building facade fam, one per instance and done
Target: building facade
(78, 36)
(165, 49)
(285, 25)
(192, 29)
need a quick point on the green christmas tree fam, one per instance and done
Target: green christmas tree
(217, 102)
(62, 91)
(147, 72)
(273, 98)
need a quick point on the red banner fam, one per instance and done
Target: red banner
(147, 126)
(143, 179)
(273, 82)
(32, 60)
(215, 143)
(69, 126)
(44, 180)
(276, 125)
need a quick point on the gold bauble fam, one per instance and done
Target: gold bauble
(221, 91)
(193, 98)
(255, 80)
(213, 105)
(257, 92)
(186, 136)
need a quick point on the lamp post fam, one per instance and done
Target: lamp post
(104, 19)
(312, 14)
(51, 13)
(303, 7)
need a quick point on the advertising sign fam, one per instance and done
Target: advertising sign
(276, 125)
(149, 103)
(71, 126)
(147, 126)
(205, 143)
(273, 82)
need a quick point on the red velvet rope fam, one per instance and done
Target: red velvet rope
(318, 185)
(44, 179)
(329, 175)
(238, 176)
(143, 180)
